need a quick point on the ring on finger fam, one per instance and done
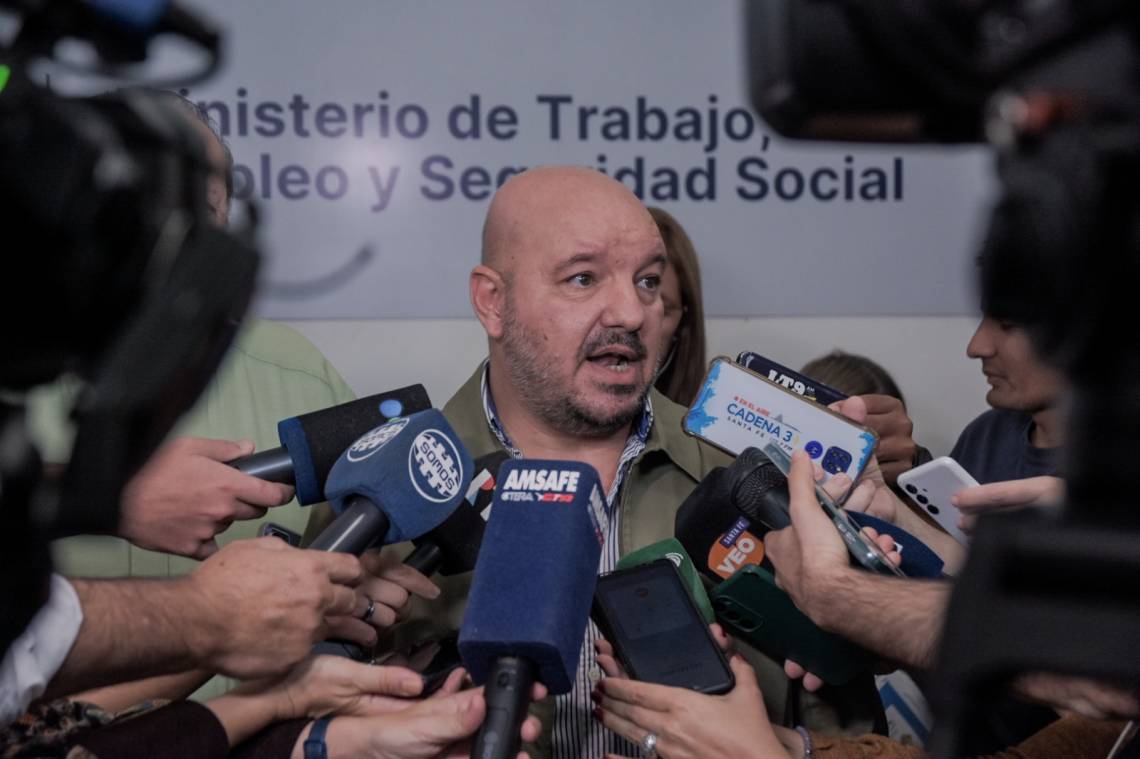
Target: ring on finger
(649, 746)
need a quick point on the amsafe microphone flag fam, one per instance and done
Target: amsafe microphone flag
(311, 443)
(453, 547)
(530, 598)
(395, 483)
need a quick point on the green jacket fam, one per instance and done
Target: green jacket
(270, 373)
(659, 481)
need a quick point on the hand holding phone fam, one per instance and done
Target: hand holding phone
(737, 409)
(865, 551)
(656, 631)
(932, 485)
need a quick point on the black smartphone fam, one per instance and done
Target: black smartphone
(790, 378)
(277, 531)
(445, 661)
(752, 608)
(657, 632)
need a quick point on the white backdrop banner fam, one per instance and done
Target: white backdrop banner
(390, 124)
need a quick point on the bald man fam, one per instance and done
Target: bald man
(568, 291)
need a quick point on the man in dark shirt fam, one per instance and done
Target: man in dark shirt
(1018, 437)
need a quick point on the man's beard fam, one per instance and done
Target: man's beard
(553, 402)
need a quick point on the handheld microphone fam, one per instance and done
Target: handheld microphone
(453, 547)
(530, 598)
(759, 489)
(395, 483)
(312, 443)
(722, 522)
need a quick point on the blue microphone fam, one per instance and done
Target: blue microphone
(530, 598)
(395, 483)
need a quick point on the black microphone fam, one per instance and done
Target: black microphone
(759, 489)
(453, 547)
(722, 523)
(311, 443)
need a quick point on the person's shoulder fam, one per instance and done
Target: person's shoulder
(464, 412)
(696, 457)
(272, 355)
(275, 343)
(993, 431)
(995, 420)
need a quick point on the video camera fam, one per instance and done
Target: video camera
(1054, 87)
(114, 272)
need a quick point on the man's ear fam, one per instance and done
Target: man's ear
(488, 298)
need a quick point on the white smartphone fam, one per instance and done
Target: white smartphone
(931, 485)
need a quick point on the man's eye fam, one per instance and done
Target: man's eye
(650, 281)
(582, 280)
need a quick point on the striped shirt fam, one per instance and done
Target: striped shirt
(576, 733)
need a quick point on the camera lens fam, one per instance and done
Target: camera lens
(911, 489)
(922, 499)
(932, 509)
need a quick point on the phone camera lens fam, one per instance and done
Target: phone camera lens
(911, 489)
(923, 500)
(932, 509)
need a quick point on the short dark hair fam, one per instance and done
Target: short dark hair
(215, 130)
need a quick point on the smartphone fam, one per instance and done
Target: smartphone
(801, 384)
(277, 531)
(932, 484)
(737, 408)
(445, 661)
(864, 550)
(657, 632)
(671, 549)
(752, 608)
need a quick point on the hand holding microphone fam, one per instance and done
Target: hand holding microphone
(186, 494)
(530, 598)
(451, 548)
(398, 481)
(259, 605)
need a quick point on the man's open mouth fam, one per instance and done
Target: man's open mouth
(615, 359)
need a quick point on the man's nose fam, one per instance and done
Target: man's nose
(625, 307)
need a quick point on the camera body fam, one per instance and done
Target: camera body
(1054, 88)
(133, 289)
